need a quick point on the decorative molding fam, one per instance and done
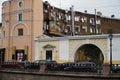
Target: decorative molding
(16, 26)
(48, 46)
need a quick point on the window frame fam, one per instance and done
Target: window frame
(20, 32)
(20, 17)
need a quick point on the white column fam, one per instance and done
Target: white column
(37, 54)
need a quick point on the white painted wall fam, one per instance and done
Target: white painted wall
(116, 48)
(37, 49)
(64, 49)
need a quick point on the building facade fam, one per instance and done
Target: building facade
(69, 22)
(22, 21)
(78, 48)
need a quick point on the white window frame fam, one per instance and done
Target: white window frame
(84, 27)
(92, 21)
(98, 21)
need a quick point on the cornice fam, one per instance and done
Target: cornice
(84, 37)
(17, 11)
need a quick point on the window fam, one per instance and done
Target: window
(3, 33)
(92, 29)
(99, 30)
(92, 21)
(69, 17)
(77, 18)
(77, 29)
(20, 4)
(84, 19)
(66, 17)
(53, 14)
(20, 16)
(68, 28)
(84, 29)
(52, 24)
(59, 17)
(98, 21)
(20, 32)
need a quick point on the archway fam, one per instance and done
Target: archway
(89, 52)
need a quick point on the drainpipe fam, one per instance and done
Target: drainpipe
(72, 21)
(95, 22)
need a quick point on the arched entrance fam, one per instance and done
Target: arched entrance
(89, 52)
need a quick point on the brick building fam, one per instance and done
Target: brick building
(22, 21)
(58, 21)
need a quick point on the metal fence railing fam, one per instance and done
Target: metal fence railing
(66, 67)
(116, 68)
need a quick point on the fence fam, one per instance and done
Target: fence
(61, 67)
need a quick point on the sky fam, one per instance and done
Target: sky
(106, 7)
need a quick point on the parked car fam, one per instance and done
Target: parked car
(68, 66)
(57, 67)
(76, 67)
(36, 64)
(85, 67)
(25, 63)
(50, 64)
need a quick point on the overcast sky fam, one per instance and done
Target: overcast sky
(106, 7)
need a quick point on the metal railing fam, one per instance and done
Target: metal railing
(65, 67)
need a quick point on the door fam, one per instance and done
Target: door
(2, 54)
(49, 55)
(20, 55)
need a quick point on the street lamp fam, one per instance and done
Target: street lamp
(110, 37)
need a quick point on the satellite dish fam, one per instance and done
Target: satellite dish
(85, 11)
(112, 16)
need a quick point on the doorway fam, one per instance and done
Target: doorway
(49, 55)
(20, 55)
(2, 54)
